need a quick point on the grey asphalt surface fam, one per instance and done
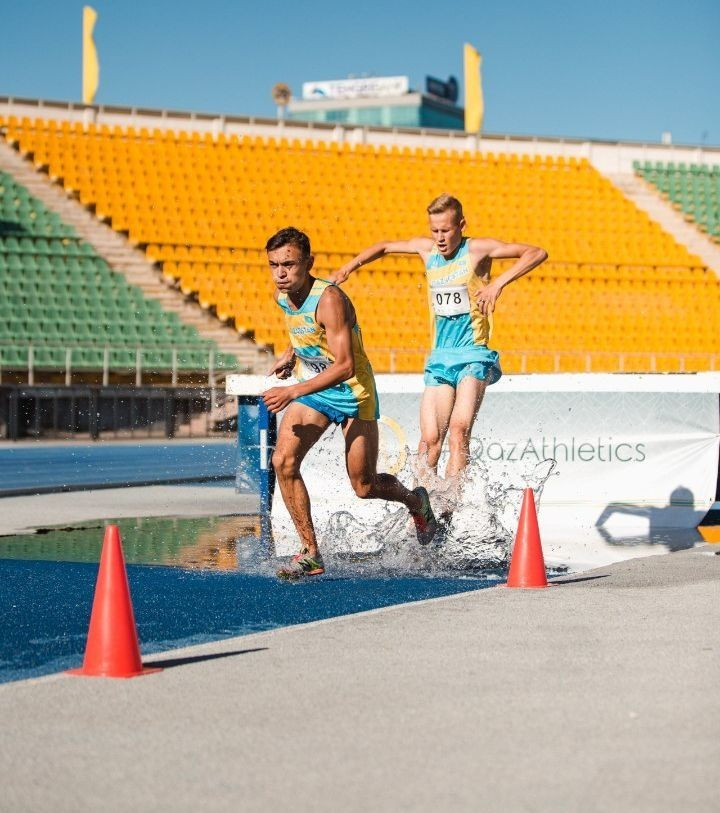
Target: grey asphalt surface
(599, 693)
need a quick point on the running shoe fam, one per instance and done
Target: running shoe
(425, 522)
(302, 565)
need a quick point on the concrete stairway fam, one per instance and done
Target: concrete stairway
(131, 262)
(649, 199)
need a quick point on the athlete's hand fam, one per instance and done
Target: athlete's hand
(341, 275)
(487, 297)
(277, 398)
(283, 367)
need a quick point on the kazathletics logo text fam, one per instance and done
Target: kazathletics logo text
(567, 450)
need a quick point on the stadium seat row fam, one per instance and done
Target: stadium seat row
(46, 356)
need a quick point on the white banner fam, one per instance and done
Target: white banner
(630, 465)
(365, 88)
(610, 448)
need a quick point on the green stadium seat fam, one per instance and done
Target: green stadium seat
(35, 312)
(87, 358)
(49, 356)
(122, 358)
(13, 356)
(225, 361)
(157, 359)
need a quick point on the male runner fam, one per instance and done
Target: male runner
(460, 365)
(336, 385)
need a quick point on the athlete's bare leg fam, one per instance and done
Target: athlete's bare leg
(300, 429)
(447, 411)
(468, 398)
(436, 407)
(361, 453)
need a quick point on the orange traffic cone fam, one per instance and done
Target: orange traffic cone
(527, 567)
(112, 648)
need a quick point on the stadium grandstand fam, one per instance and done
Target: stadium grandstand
(183, 293)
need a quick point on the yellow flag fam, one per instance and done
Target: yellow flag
(474, 104)
(90, 65)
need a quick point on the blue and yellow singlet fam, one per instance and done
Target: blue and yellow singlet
(354, 398)
(452, 283)
(461, 330)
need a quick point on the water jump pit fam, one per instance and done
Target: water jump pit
(192, 581)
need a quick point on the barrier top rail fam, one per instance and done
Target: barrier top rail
(254, 385)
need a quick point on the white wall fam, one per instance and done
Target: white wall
(606, 156)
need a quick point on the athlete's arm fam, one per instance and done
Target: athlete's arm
(415, 245)
(284, 364)
(528, 257)
(336, 314)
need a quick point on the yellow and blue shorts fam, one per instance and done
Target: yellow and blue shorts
(449, 365)
(340, 403)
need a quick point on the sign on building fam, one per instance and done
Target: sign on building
(367, 87)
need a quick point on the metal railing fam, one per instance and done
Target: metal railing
(142, 362)
(409, 360)
(383, 359)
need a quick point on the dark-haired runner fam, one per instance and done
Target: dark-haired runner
(336, 385)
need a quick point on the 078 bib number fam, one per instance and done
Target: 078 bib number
(451, 300)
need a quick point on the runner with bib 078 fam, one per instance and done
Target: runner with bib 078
(463, 297)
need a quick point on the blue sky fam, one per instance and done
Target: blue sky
(610, 70)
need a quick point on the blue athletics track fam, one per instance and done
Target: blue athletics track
(192, 579)
(48, 468)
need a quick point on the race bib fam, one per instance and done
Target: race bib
(450, 300)
(310, 366)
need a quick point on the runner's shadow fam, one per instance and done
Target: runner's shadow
(673, 525)
(169, 663)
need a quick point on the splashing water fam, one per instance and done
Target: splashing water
(479, 511)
